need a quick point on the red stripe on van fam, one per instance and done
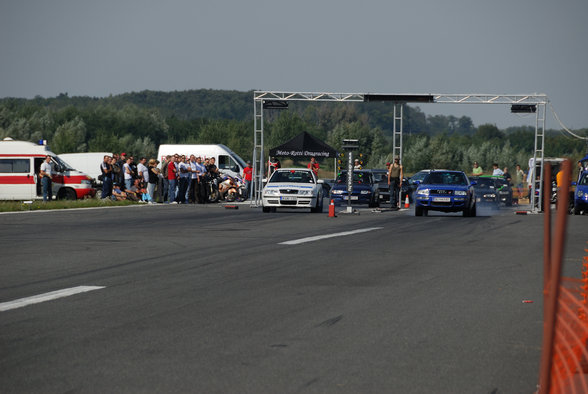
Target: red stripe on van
(17, 180)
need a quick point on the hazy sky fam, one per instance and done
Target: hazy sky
(98, 48)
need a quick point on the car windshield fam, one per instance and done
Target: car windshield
(584, 179)
(446, 178)
(293, 176)
(380, 176)
(419, 176)
(358, 177)
(484, 183)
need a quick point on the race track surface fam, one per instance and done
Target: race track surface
(213, 300)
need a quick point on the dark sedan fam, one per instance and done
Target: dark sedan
(364, 190)
(486, 192)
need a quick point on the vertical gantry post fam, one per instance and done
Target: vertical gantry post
(538, 155)
(258, 156)
(397, 131)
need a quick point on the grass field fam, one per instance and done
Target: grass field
(15, 206)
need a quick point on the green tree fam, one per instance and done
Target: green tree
(70, 137)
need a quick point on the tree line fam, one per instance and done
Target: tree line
(140, 122)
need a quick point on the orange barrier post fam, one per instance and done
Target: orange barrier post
(406, 202)
(332, 209)
(546, 231)
(555, 265)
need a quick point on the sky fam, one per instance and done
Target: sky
(108, 47)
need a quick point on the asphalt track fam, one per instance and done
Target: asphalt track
(212, 300)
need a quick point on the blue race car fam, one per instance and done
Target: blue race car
(445, 191)
(365, 191)
(581, 195)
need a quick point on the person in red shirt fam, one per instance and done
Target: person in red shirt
(172, 173)
(314, 166)
(248, 177)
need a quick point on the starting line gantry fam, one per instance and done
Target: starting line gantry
(520, 103)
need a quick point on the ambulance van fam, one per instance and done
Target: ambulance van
(20, 162)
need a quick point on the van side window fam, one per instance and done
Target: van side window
(15, 166)
(226, 162)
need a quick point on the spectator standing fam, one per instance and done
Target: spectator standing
(272, 165)
(496, 171)
(507, 176)
(153, 172)
(184, 171)
(477, 170)
(120, 179)
(247, 178)
(172, 181)
(165, 181)
(128, 173)
(519, 177)
(143, 171)
(107, 173)
(314, 166)
(193, 194)
(395, 174)
(133, 168)
(201, 170)
(46, 182)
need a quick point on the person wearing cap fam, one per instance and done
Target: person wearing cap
(356, 165)
(248, 177)
(395, 182)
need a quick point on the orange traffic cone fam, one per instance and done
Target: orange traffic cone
(332, 209)
(406, 202)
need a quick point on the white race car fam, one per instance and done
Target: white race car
(293, 188)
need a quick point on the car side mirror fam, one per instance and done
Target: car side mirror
(474, 183)
(574, 183)
(417, 182)
(320, 181)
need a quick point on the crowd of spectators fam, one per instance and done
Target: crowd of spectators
(177, 180)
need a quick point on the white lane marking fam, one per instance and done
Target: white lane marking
(319, 237)
(53, 295)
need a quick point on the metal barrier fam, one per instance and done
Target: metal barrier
(564, 353)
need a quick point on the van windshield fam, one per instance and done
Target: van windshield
(58, 160)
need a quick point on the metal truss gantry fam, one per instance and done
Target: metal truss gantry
(278, 100)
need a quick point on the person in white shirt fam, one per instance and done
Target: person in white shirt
(496, 171)
(184, 170)
(45, 174)
(143, 170)
(128, 174)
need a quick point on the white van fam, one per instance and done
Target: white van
(88, 162)
(227, 161)
(20, 162)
